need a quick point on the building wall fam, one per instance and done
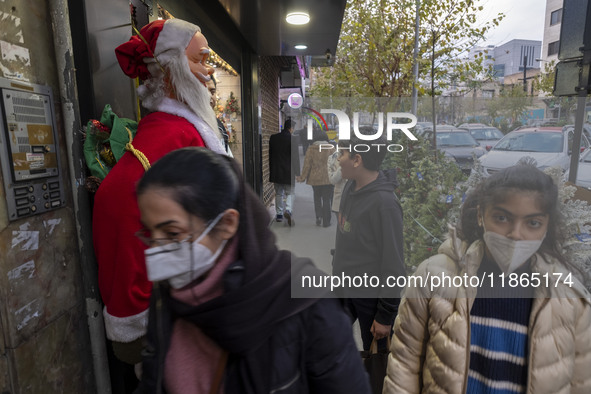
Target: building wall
(487, 54)
(511, 55)
(551, 33)
(269, 71)
(44, 340)
(517, 80)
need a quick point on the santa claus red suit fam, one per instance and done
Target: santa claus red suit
(173, 124)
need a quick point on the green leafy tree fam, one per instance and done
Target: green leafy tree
(429, 195)
(374, 54)
(544, 81)
(450, 29)
(510, 105)
(515, 101)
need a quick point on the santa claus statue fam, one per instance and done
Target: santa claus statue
(169, 56)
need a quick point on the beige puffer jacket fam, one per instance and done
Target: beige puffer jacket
(431, 344)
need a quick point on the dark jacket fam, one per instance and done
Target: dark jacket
(284, 158)
(310, 352)
(274, 340)
(369, 241)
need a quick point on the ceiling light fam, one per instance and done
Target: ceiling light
(297, 18)
(301, 46)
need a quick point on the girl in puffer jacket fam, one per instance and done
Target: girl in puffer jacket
(498, 310)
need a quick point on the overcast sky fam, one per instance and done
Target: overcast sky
(524, 19)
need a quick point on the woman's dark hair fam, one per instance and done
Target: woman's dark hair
(498, 187)
(319, 135)
(199, 180)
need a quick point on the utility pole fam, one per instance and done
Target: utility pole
(574, 66)
(525, 74)
(415, 65)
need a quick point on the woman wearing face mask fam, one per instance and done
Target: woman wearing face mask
(521, 337)
(222, 319)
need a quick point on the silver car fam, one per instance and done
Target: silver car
(457, 145)
(549, 146)
(584, 171)
(487, 136)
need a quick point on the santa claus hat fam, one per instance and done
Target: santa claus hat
(158, 41)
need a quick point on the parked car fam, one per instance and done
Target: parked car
(457, 144)
(470, 125)
(487, 136)
(586, 129)
(584, 171)
(420, 128)
(549, 146)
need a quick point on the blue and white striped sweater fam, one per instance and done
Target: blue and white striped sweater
(499, 340)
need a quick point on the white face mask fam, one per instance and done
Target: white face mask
(182, 262)
(510, 254)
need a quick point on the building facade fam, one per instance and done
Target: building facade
(515, 56)
(552, 23)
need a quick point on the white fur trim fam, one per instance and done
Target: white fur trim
(174, 107)
(174, 39)
(125, 329)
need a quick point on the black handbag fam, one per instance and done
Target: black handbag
(375, 363)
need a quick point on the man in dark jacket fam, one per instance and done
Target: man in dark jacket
(369, 237)
(284, 165)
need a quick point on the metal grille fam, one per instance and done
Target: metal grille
(19, 109)
(24, 148)
(22, 140)
(28, 110)
(30, 119)
(27, 102)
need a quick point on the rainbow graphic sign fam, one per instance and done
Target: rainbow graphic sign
(317, 117)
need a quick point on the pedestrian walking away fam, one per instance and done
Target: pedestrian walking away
(284, 166)
(335, 178)
(507, 333)
(315, 174)
(222, 318)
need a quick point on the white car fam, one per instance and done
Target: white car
(584, 171)
(549, 146)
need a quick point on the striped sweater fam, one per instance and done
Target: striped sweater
(499, 321)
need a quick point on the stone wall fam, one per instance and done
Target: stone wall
(44, 340)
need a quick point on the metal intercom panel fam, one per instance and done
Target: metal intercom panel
(29, 149)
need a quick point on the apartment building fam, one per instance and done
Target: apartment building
(552, 22)
(512, 57)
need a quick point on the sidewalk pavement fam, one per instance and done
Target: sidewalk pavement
(305, 239)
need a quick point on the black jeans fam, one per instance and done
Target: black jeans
(322, 202)
(364, 310)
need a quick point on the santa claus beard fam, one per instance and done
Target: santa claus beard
(192, 91)
(186, 89)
